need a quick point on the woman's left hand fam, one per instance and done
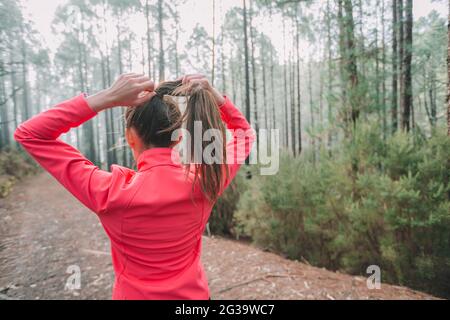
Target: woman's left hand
(129, 90)
(199, 80)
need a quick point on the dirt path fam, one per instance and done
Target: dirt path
(44, 231)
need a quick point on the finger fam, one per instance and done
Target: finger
(141, 79)
(186, 78)
(131, 76)
(137, 75)
(144, 97)
(146, 86)
(196, 83)
(191, 77)
(194, 77)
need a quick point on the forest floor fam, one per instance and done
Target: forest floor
(44, 230)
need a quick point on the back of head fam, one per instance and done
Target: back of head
(157, 120)
(152, 119)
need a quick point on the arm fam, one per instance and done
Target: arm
(243, 138)
(243, 135)
(40, 138)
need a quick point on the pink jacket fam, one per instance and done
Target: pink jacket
(154, 227)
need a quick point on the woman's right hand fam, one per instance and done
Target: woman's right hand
(129, 90)
(199, 80)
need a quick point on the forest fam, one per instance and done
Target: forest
(358, 89)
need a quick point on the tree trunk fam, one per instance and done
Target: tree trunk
(292, 94)
(349, 69)
(14, 96)
(330, 77)
(401, 51)
(87, 128)
(377, 65)
(223, 63)
(162, 75)
(149, 37)
(109, 117)
(25, 93)
(407, 98)
(351, 66)
(448, 71)
(362, 45)
(177, 56)
(175, 14)
(264, 80)
(246, 58)
(432, 95)
(213, 49)
(233, 81)
(286, 94)
(272, 83)
(119, 49)
(299, 94)
(383, 62)
(311, 108)
(4, 119)
(425, 98)
(247, 71)
(343, 77)
(395, 73)
(253, 62)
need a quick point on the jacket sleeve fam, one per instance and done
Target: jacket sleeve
(40, 138)
(242, 140)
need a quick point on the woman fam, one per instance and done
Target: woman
(154, 217)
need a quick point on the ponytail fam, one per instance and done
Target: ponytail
(201, 107)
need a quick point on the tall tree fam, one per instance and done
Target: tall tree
(272, 87)
(162, 75)
(286, 93)
(4, 118)
(293, 105)
(448, 71)
(394, 96)
(349, 68)
(254, 70)
(24, 64)
(299, 95)
(312, 109)
(407, 101)
(247, 71)
(149, 37)
(213, 62)
(264, 63)
(383, 61)
(401, 54)
(247, 65)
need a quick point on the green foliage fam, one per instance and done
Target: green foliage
(13, 166)
(372, 202)
(221, 221)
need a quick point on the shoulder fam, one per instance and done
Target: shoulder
(120, 186)
(122, 174)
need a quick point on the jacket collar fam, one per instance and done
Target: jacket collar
(158, 157)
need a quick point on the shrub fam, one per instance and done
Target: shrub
(221, 220)
(14, 165)
(373, 202)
